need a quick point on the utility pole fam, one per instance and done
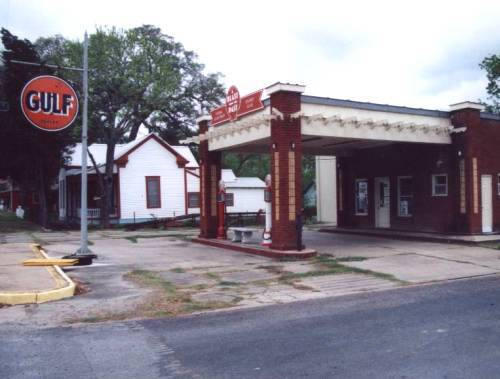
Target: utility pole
(84, 249)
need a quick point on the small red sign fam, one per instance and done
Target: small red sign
(49, 103)
(237, 106)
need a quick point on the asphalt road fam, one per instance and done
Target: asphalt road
(449, 330)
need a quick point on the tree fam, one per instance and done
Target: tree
(29, 156)
(491, 65)
(138, 77)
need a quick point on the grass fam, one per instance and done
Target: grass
(228, 283)
(10, 223)
(327, 265)
(178, 270)
(166, 300)
(490, 245)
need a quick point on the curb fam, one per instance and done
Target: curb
(443, 240)
(65, 286)
(248, 249)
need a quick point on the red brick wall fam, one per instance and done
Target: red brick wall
(286, 138)
(481, 140)
(430, 213)
(208, 189)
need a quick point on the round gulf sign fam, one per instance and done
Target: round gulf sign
(49, 103)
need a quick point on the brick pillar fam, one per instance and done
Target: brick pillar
(467, 151)
(210, 174)
(286, 165)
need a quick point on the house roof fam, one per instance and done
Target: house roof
(98, 151)
(232, 181)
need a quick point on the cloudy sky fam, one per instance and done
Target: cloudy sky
(415, 53)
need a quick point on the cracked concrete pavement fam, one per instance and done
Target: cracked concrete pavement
(212, 274)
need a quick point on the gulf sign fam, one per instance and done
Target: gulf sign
(237, 106)
(49, 103)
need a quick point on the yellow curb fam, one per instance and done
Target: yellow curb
(65, 287)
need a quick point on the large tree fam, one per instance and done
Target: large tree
(29, 156)
(137, 77)
(491, 65)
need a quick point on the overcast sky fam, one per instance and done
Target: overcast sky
(413, 53)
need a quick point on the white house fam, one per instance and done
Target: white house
(152, 179)
(243, 194)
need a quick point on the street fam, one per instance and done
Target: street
(430, 331)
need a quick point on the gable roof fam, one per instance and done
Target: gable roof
(183, 154)
(232, 181)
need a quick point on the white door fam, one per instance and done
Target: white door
(382, 203)
(486, 203)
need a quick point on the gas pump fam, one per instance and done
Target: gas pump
(221, 211)
(266, 236)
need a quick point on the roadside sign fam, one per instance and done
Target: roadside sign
(49, 103)
(237, 106)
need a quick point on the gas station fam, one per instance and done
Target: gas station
(397, 168)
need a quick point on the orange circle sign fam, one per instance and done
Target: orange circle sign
(49, 103)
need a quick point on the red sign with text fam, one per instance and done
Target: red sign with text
(49, 103)
(237, 106)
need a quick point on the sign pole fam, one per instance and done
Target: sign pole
(83, 209)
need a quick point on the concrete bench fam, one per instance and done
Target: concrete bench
(242, 235)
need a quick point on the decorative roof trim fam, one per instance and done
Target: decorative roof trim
(372, 106)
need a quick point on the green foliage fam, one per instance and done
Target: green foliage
(491, 65)
(29, 156)
(258, 165)
(138, 76)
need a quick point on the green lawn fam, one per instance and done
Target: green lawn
(9, 223)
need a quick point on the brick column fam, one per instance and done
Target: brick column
(467, 150)
(210, 174)
(286, 165)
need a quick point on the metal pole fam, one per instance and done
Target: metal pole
(83, 214)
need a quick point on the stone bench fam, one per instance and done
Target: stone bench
(242, 235)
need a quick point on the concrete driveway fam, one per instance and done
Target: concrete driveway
(159, 273)
(409, 261)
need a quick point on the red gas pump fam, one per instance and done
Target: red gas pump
(221, 211)
(266, 236)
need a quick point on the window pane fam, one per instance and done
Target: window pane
(153, 192)
(193, 200)
(229, 199)
(405, 200)
(440, 184)
(362, 196)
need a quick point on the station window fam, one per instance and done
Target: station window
(361, 195)
(440, 185)
(193, 199)
(405, 196)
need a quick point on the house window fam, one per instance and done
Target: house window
(405, 196)
(440, 185)
(153, 192)
(193, 200)
(361, 194)
(229, 199)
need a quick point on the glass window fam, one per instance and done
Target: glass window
(440, 185)
(361, 194)
(229, 199)
(405, 196)
(193, 200)
(498, 184)
(153, 192)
